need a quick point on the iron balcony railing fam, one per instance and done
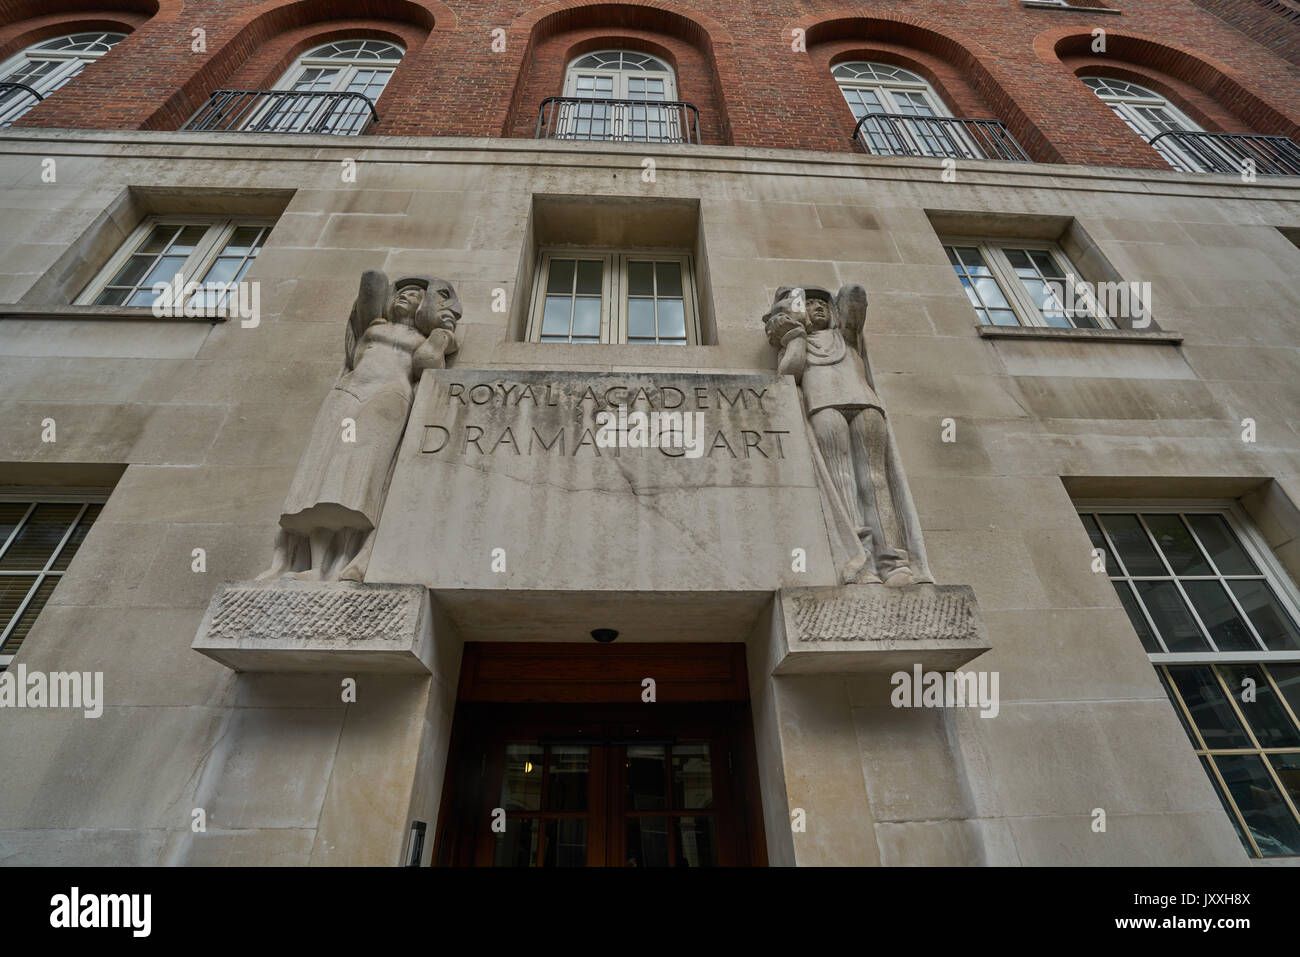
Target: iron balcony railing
(1200, 152)
(15, 100)
(894, 134)
(284, 111)
(621, 121)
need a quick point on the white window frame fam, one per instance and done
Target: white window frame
(613, 312)
(1022, 304)
(884, 89)
(74, 63)
(196, 264)
(39, 496)
(619, 75)
(1288, 595)
(1255, 546)
(1124, 106)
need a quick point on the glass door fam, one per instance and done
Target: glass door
(601, 791)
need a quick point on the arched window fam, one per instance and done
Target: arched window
(1149, 114)
(47, 66)
(873, 89)
(629, 79)
(341, 80)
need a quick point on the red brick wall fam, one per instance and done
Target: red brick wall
(734, 60)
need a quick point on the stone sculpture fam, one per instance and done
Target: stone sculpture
(395, 332)
(874, 528)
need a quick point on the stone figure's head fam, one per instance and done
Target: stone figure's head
(425, 303)
(814, 306)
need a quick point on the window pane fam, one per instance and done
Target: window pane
(560, 277)
(692, 777)
(567, 790)
(1270, 821)
(222, 271)
(1270, 619)
(589, 277)
(1268, 719)
(645, 777)
(1177, 544)
(242, 240)
(1287, 767)
(647, 841)
(1172, 619)
(133, 271)
(78, 536)
(1222, 545)
(672, 319)
(28, 618)
(586, 318)
(1095, 536)
(13, 590)
(521, 784)
(670, 279)
(165, 271)
(696, 846)
(1133, 545)
(1123, 589)
(1210, 710)
(991, 293)
(1287, 678)
(158, 238)
(39, 537)
(1227, 807)
(566, 843)
(1178, 708)
(189, 238)
(111, 297)
(640, 279)
(1229, 631)
(11, 513)
(640, 319)
(517, 847)
(555, 317)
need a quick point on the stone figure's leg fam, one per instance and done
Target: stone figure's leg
(282, 558)
(356, 568)
(832, 431)
(869, 441)
(318, 540)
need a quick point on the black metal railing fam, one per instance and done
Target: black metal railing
(1200, 152)
(284, 111)
(894, 134)
(620, 121)
(15, 100)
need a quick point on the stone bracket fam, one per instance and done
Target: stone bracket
(872, 629)
(319, 627)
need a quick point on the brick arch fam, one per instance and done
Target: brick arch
(28, 22)
(962, 72)
(269, 37)
(551, 36)
(1208, 90)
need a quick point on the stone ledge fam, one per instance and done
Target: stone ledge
(318, 627)
(1150, 337)
(867, 629)
(1040, 5)
(17, 311)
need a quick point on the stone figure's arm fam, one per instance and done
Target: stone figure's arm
(372, 299)
(851, 304)
(433, 352)
(794, 356)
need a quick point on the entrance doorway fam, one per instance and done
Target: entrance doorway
(556, 783)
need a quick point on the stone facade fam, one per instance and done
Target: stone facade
(206, 420)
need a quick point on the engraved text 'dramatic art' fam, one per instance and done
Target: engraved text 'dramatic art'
(395, 332)
(874, 529)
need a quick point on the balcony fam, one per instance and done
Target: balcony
(894, 134)
(15, 100)
(283, 111)
(618, 121)
(1199, 152)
